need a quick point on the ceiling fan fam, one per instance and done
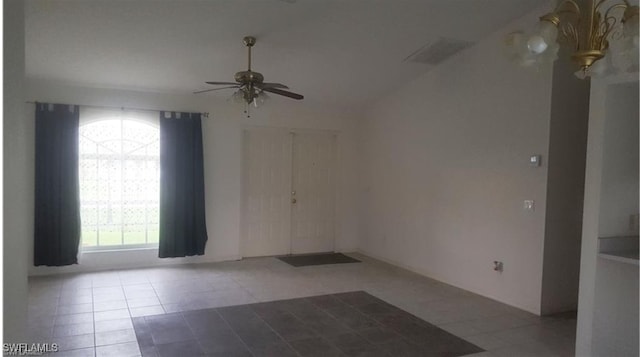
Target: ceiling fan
(251, 85)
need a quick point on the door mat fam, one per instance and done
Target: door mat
(317, 259)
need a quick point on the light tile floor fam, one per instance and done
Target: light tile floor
(90, 314)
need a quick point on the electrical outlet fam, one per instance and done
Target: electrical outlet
(535, 160)
(498, 266)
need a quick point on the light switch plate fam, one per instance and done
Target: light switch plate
(529, 205)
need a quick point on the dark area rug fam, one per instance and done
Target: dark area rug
(317, 259)
(345, 324)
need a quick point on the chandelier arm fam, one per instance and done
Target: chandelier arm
(610, 21)
(614, 7)
(607, 28)
(624, 4)
(598, 4)
(573, 8)
(570, 33)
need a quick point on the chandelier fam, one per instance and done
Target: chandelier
(601, 34)
(250, 96)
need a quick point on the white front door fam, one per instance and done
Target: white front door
(313, 191)
(289, 192)
(266, 219)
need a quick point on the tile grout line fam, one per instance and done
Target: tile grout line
(193, 333)
(274, 331)
(351, 330)
(234, 331)
(126, 299)
(245, 289)
(126, 302)
(378, 324)
(157, 296)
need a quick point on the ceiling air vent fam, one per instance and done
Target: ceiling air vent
(437, 51)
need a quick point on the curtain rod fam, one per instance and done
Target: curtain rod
(204, 114)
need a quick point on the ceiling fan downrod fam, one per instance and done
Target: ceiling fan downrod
(249, 41)
(249, 77)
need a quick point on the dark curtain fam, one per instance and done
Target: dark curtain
(183, 228)
(57, 196)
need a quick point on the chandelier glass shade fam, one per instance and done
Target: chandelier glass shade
(601, 34)
(250, 95)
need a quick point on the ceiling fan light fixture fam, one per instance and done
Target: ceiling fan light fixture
(238, 96)
(260, 99)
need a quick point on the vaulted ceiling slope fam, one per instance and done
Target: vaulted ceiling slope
(335, 52)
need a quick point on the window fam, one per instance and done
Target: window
(119, 179)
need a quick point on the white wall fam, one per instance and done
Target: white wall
(447, 172)
(591, 267)
(619, 195)
(615, 305)
(616, 308)
(17, 192)
(222, 133)
(565, 188)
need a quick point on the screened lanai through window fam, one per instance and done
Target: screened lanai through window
(119, 179)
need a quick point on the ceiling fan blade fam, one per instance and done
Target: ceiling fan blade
(272, 85)
(209, 90)
(223, 83)
(283, 92)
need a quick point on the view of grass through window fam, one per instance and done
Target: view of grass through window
(119, 182)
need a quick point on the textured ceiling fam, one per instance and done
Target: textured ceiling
(335, 52)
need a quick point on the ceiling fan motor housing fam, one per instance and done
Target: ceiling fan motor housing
(246, 77)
